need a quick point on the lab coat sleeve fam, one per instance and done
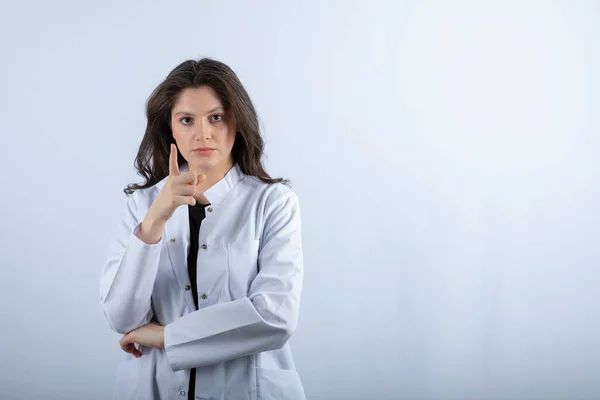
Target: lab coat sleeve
(128, 275)
(262, 321)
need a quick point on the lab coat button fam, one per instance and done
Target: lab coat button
(187, 287)
(209, 209)
(182, 392)
(204, 246)
(204, 296)
(172, 240)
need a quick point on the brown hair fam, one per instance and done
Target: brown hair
(152, 160)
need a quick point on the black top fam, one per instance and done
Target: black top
(197, 214)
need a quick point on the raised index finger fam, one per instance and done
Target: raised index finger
(173, 167)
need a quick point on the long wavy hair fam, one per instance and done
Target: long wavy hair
(152, 160)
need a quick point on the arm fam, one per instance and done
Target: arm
(262, 321)
(128, 275)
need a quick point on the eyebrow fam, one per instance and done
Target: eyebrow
(208, 112)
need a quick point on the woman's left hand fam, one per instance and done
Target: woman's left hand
(149, 335)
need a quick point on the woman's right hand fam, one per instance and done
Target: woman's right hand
(179, 190)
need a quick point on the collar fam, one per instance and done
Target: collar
(219, 190)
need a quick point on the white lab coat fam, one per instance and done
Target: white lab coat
(250, 273)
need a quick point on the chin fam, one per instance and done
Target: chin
(203, 166)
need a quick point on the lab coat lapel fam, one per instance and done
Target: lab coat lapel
(177, 231)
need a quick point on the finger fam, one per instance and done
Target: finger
(136, 353)
(187, 190)
(127, 339)
(188, 177)
(182, 200)
(124, 343)
(131, 349)
(173, 167)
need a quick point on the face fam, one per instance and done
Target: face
(203, 130)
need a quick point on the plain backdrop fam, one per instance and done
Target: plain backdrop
(445, 154)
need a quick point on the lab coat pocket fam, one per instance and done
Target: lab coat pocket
(130, 383)
(243, 266)
(278, 384)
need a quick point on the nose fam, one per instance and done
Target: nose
(202, 132)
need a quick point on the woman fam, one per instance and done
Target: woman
(204, 275)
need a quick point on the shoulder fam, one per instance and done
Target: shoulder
(270, 195)
(141, 199)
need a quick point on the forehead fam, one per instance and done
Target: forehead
(197, 99)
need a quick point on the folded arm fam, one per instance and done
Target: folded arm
(128, 275)
(262, 321)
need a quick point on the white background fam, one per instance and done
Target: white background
(445, 155)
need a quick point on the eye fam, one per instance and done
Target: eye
(186, 120)
(216, 118)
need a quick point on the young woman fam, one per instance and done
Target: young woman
(204, 275)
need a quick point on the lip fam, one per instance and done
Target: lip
(203, 150)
